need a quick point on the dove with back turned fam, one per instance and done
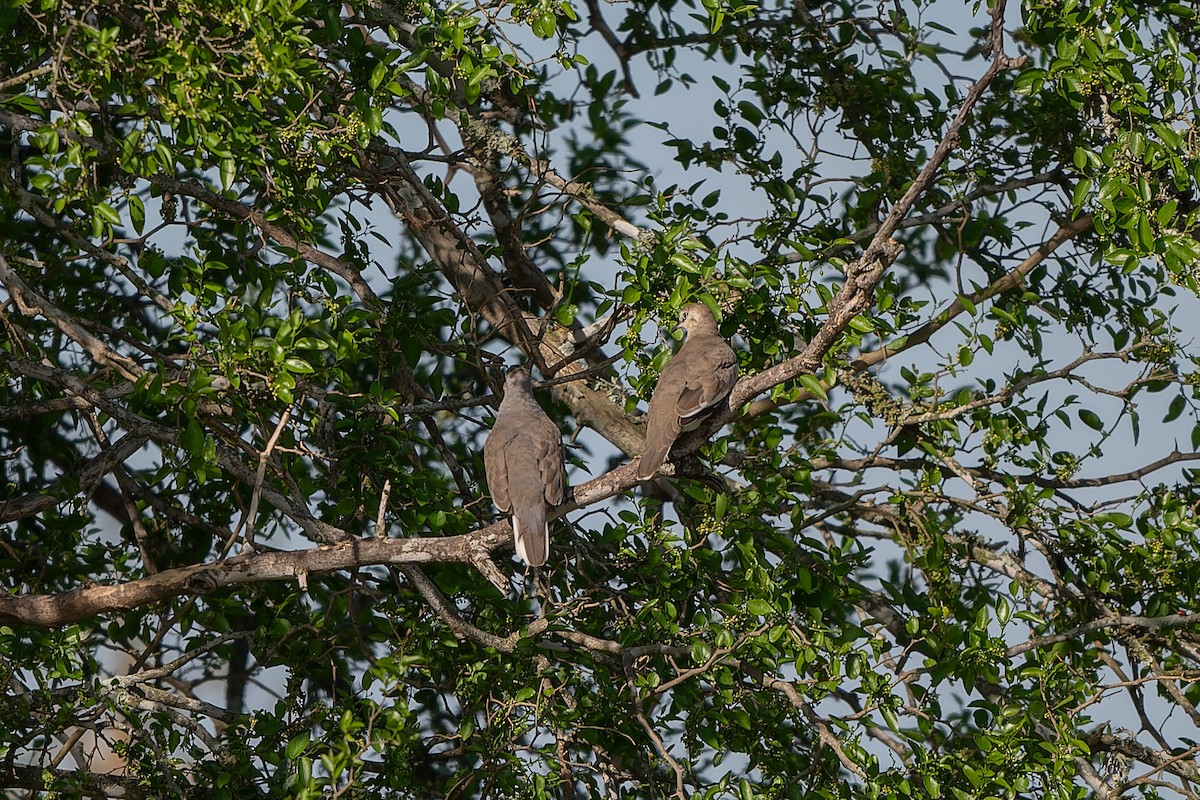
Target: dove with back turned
(697, 379)
(523, 460)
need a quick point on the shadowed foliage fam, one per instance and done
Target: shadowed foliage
(262, 263)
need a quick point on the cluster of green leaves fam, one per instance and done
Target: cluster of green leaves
(1125, 72)
(838, 620)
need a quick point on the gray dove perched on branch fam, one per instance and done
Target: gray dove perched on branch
(697, 379)
(523, 459)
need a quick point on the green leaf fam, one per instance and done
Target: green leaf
(684, 263)
(814, 386)
(298, 365)
(1029, 81)
(137, 213)
(889, 718)
(565, 314)
(107, 213)
(545, 25)
(192, 439)
(1166, 212)
(296, 746)
(378, 74)
(1178, 404)
(1082, 193)
(1145, 234)
(760, 608)
(228, 169)
(862, 324)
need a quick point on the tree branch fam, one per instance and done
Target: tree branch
(55, 610)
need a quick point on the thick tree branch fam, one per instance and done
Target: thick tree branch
(482, 291)
(62, 609)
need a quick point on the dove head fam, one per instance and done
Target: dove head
(697, 318)
(517, 379)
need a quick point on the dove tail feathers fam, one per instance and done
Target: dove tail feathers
(531, 534)
(658, 444)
